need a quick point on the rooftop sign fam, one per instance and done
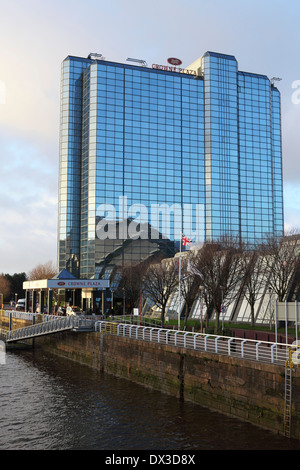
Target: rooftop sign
(174, 61)
(172, 68)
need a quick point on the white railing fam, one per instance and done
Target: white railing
(53, 325)
(262, 351)
(41, 317)
(28, 315)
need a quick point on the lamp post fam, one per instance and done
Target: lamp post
(201, 307)
(270, 303)
(112, 299)
(123, 301)
(222, 309)
(102, 307)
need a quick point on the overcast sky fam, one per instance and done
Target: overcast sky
(36, 36)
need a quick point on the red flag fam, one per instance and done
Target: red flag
(186, 240)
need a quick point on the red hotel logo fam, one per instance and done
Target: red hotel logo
(174, 61)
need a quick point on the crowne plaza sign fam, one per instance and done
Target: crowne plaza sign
(77, 283)
(173, 67)
(67, 284)
(170, 68)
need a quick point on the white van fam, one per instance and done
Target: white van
(21, 304)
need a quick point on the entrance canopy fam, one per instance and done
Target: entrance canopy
(63, 280)
(66, 284)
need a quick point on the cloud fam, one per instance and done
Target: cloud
(292, 204)
(28, 205)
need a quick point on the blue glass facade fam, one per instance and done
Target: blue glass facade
(147, 154)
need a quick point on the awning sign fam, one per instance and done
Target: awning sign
(77, 283)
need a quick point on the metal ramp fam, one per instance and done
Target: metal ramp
(49, 327)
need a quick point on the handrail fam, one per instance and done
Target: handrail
(250, 349)
(262, 351)
(50, 326)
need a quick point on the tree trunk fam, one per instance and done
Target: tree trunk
(188, 309)
(252, 315)
(162, 317)
(217, 322)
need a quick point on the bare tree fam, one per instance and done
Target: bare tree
(190, 283)
(131, 284)
(254, 278)
(42, 271)
(4, 287)
(219, 262)
(160, 282)
(281, 261)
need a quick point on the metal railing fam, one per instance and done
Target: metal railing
(261, 351)
(53, 325)
(41, 317)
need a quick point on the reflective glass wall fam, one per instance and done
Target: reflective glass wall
(142, 163)
(148, 154)
(277, 161)
(221, 145)
(243, 161)
(256, 159)
(69, 205)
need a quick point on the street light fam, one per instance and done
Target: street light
(222, 309)
(112, 299)
(123, 288)
(201, 307)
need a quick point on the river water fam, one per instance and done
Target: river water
(49, 403)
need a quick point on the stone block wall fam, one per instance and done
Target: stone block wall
(242, 389)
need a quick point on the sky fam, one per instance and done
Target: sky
(37, 35)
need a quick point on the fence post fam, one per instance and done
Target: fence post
(272, 352)
(243, 347)
(195, 337)
(216, 344)
(229, 350)
(257, 344)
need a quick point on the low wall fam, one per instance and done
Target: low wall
(242, 389)
(262, 335)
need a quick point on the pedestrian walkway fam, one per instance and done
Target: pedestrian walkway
(53, 325)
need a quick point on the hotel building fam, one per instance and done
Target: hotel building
(150, 152)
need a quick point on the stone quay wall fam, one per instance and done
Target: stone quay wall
(247, 390)
(243, 389)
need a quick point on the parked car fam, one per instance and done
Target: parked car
(21, 304)
(73, 310)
